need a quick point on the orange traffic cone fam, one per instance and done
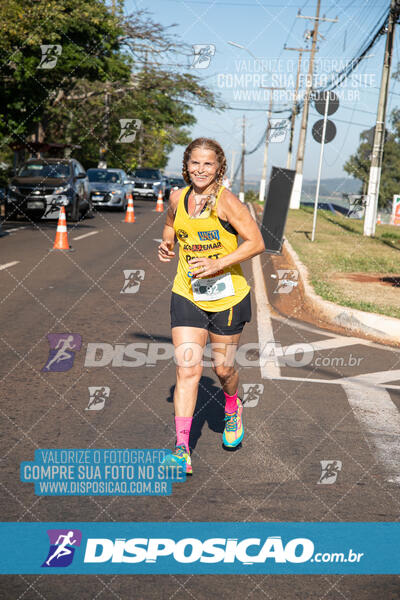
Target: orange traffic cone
(379, 220)
(130, 211)
(160, 202)
(61, 241)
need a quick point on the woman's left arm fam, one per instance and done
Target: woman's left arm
(238, 215)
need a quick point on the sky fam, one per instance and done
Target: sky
(263, 27)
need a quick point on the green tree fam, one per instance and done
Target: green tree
(358, 164)
(111, 67)
(85, 39)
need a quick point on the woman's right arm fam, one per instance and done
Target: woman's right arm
(165, 249)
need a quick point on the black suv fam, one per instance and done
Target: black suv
(42, 185)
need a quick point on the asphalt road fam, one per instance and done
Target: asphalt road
(341, 403)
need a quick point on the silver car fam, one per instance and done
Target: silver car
(148, 182)
(109, 187)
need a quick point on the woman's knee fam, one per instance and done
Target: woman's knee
(224, 372)
(191, 373)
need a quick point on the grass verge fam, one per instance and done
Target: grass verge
(340, 255)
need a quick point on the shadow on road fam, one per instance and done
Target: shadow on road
(209, 408)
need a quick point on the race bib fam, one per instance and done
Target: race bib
(213, 288)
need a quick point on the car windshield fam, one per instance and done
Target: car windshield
(176, 181)
(147, 174)
(104, 176)
(44, 170)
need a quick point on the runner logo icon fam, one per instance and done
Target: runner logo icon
(329, 471)
(202, 54)
(288, 279)
(133, 279)
(129, 129)
(62, 351)
(50, 54)
(251, 394)
(97, 397)
(62, 547)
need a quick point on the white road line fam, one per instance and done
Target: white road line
(264, 323)
(337, 381)
(376, 413)
(380, 420)
(290, 322)
(10, 264)
(336, 342)
(80, 237)
(15, 229)
(370, 379)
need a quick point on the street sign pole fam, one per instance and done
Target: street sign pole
(321, 154)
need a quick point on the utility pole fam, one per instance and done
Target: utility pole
(263, 180)
(234, 152)
(102, 164)
(379, 136)
(294, 109)
(298, 180)
(141, 137)
(241, 193)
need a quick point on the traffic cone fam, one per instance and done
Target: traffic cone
(160, 202)
(379, 220)
(130, 211)
(61, 241)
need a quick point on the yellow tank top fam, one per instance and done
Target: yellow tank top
(207, 236)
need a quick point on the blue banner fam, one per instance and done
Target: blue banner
(200, 548)
(101, 472)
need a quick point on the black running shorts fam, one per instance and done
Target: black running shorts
(185, 313)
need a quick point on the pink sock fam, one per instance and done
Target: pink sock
(183, 425)
(230, 403)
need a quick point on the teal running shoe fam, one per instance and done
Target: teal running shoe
(234, 431)
(181, 458)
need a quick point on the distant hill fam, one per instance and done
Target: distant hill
(333, 187)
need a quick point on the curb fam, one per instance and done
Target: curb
(380, 328)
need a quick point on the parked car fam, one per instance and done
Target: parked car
(148, 182)
(176, 183)
(167, 189)
(41, 186)
(109, 187)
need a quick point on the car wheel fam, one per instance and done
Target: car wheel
(89, 212)
(12, 213)
(122, 208)
(75, 210)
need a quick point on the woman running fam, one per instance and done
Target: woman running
(210, 295)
